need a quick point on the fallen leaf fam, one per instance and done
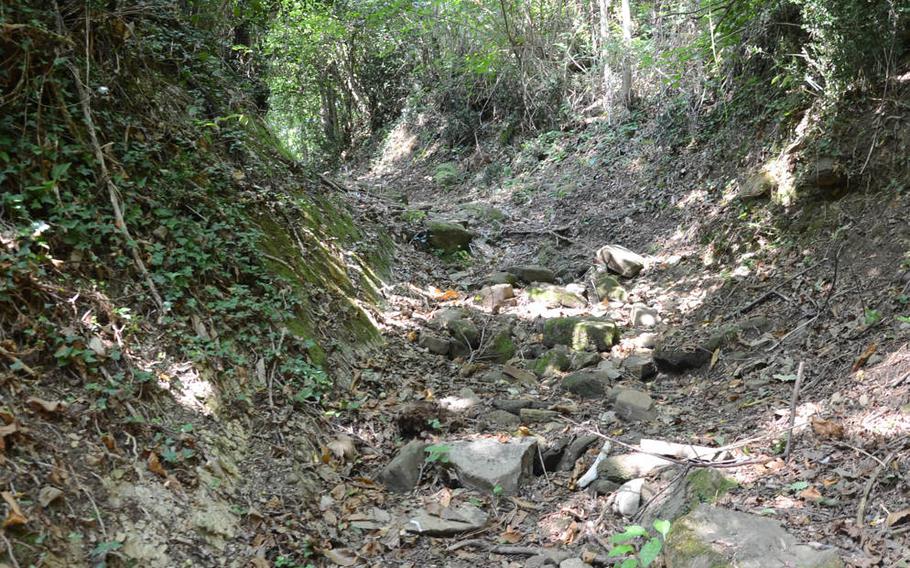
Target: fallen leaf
(154, 465)
(260, 562)
(48, 495)
(896, 518)
(15, 517)
(412, 336)
(6, 431)
(445, 497)
(861, 360)
(714, 358)
(447, 296)
(827, 429)
(810, 494)
(49, 406)
(341, 556)
(109, 442)
(511, 536)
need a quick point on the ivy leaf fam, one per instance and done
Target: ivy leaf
(621, 550)
(663, 527)
(629, 563)
(650, 551)
(632, 531)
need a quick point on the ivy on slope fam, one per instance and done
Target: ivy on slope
(204, 188)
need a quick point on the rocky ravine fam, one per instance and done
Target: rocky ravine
(536, 415)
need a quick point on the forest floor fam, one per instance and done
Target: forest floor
(827, 303)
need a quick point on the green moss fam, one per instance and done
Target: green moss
(555, 359)
(503, 348)
(446, 174)
(683, 547)
(609, 288)
(555, 296)
(559, 331)
(707, 485)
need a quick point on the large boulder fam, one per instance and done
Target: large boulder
(721, 538)
(448, 237)
(487, 463)
(580, 333)
(621, 260)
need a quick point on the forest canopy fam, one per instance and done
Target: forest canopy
(339, 72)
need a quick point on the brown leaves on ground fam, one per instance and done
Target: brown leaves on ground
(827, 429)
(15, 517)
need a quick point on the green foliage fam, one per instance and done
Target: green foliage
(637, 547)
(437, 453)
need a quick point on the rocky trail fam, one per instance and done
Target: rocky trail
(521, 414)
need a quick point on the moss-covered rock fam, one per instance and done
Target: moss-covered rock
(609, 288)
(448, 237)
(714, 537)
(556, 296)
(553, 361)
(447, 174)
(501, 348)
(580, 334)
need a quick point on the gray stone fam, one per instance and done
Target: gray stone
(402, 473)
(501, 278)
(717, 537)
(757, 185)
(628, 497)
(603, 487)
(448, 521)
(556, 296)
(678, 359)
(449, 237)
(587, 383)
(574, 451)
(532, 273)
(574, 563)
(553, 361)
(635, 405)
(625, 467)
(495, 296)
(643, 316)
(640, 367)
(521, 376)
(456, 322)
(535, 415)
(584, 359)
(621, 260)
(434, 344)
(501, 419)
(485, 464)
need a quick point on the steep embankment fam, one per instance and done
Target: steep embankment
(174, 291)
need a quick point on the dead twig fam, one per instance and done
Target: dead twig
(861, 509)
(9, 550)
(770, 293)
(793, 399)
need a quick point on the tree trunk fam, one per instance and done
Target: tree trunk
(627, 94)
(605, 56)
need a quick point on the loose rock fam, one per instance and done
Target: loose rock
(580, 334)
(487, 463)
(449, 521)
(642, 316)
(713, 536)
(625, 467)
(494, 297)
(635, 405)
(556, 296)
(434, 343)
(640, 367)
(621, 260)
(587, 383)
(628, 497)
(401, 474)
(448, 237)
(608, 288)
(532, 273)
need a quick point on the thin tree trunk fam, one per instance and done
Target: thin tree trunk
(604, 6)
(627, 55)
